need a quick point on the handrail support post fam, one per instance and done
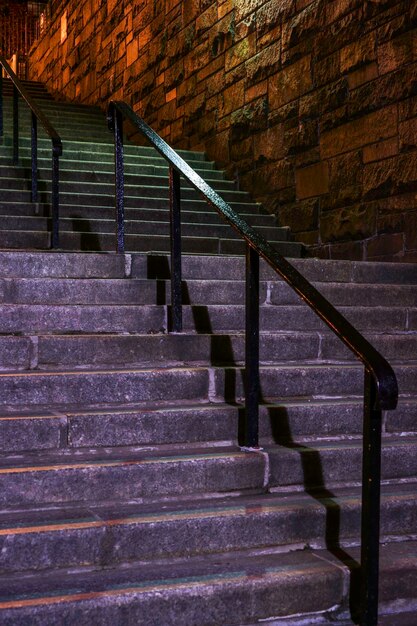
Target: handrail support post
(252, 385)
(119, 180)
(15, 125)
(1, 105)
(175, 228)
(55, 199)
(34, 157)
(371, 481)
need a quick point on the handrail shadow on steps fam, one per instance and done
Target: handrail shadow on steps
(36, 114)
(380, 387)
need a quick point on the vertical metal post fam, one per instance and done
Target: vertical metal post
(55, 198)
(1, 104)
(15, 125)
(119, 180)
(175, 224)
(34, 150)
(371, 487)
(252, 386)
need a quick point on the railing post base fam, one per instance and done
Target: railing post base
(175, 227)
(371, 481)
(252, 385)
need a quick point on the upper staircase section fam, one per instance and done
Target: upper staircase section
(86, 198)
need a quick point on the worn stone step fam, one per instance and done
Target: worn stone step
(134, 227)
(41, 539)
(29, 239)
(90, 170)
(64, 264)
(103, 242)
(84, 155)
(204, 591)
(317, 270)
(51, 318)
(204, 291)
(323, 464)
(161, 244)
(127, 474)
(186, 383)
(180, 422)
(103, 148)
(118, 350)
(195, 267)
(148, 186)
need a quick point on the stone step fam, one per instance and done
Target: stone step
(83, 351)
(189, 215)
(102, 149)
(205, 590)
(195, 267)
(316, 270)
(64, 264)
(77, 241)
(123, 474)
(127, 474)
(135, 226)
(103, 195)
(141, 291)
(99, 535)
(218, 384)
(286, 421)
(73, 170)
(149, 319)
(84, 155)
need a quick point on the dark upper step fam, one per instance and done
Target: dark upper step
(148, 191)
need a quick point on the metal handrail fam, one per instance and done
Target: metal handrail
(380, 389)
(36, 114)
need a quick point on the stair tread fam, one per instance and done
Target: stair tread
(258, 576)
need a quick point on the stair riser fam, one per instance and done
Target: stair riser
(111, 351)
(157, 266)
(198, 602)
(177, 425)
(63, 265)
(197, 292)
(81, 265)
(186, 384)
(107, 148)
(136, 227)
(126, 427)
(140, 190)
(336, 465)
(125, 386)
(144, 214)
(117, 540)
(89, 171)
(161, 244)
(217, 318)
(133, 480)
(133, 243)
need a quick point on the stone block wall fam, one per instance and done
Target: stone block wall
(310, 104)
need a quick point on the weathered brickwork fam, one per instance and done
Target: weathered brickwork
(311, 104)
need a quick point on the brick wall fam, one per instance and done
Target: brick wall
(311, 104)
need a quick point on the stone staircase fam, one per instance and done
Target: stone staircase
(126, 497)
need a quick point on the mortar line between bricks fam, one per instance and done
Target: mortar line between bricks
(320, 347)
(268, 292)
(267, 468)
(34, 352)
(211, 392)
(128, 266)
